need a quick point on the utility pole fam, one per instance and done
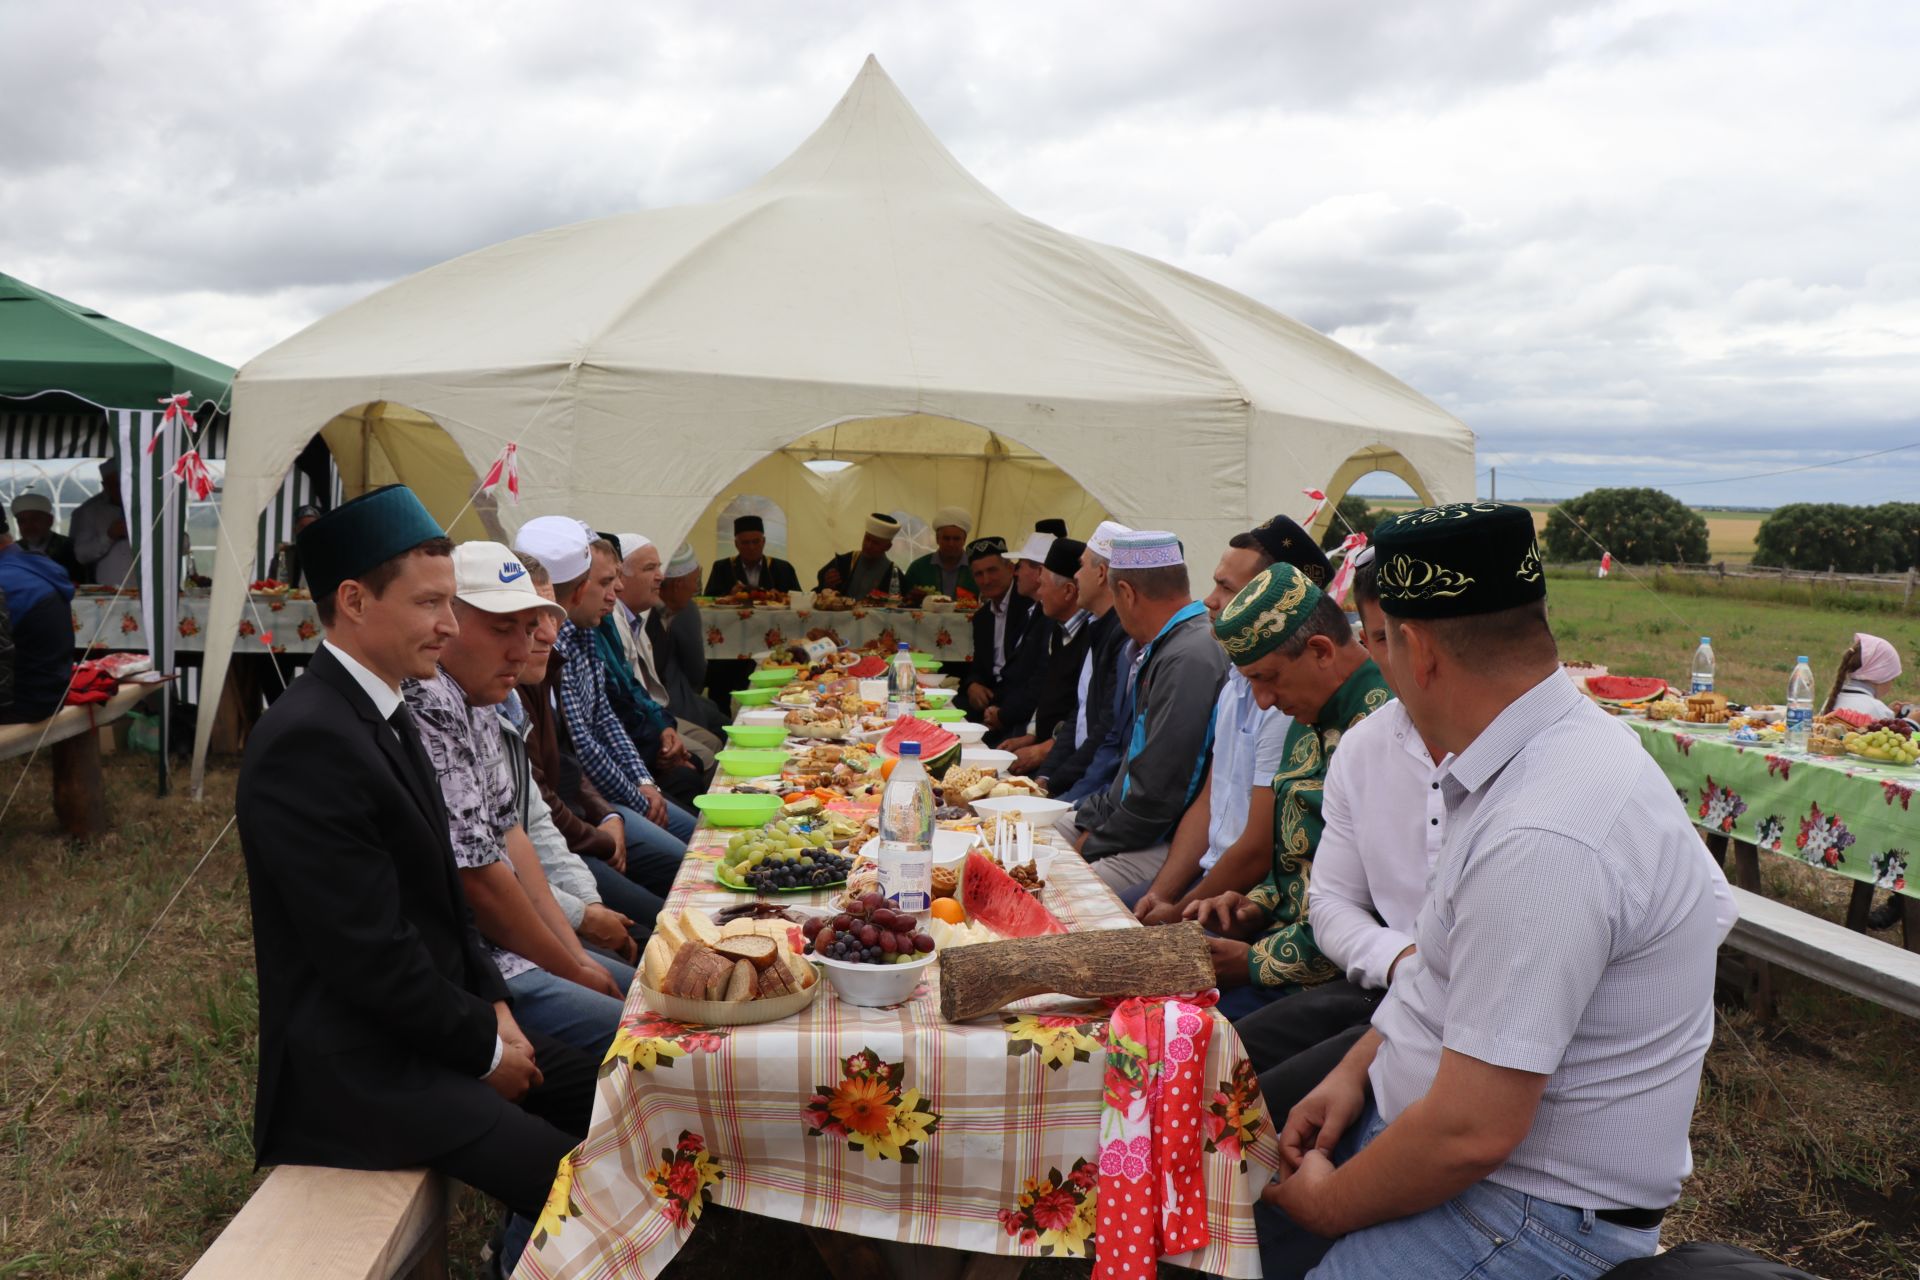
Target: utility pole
(1493, 484)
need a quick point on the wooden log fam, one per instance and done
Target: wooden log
(1163, 961)
(79, 790)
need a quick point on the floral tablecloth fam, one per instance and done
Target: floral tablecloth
(741, 633)
(1851, 817)
(888, 1123)
(268, 624)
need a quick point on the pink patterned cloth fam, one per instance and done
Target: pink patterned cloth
(1152, 1194)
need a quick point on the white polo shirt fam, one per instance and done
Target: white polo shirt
(1386, 820)
(1569, 930)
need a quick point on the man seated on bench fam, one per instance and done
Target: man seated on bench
(558, 987)
(39, 604)
(386, 1040)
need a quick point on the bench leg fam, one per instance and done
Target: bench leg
(1860, 906)
(1746, 874)
(1910, 922)
(1717, 846)
(79, 790)
(849, 1257)
(433, 1263)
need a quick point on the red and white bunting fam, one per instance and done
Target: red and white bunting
(1606, 563)
(179, 411)
(1319, 497)
(1343, 576)
(191, 471)
(505, 468)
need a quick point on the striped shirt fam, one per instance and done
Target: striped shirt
(1569, 930)
(606, 753)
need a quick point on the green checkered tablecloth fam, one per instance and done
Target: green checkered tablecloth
(1850, 817)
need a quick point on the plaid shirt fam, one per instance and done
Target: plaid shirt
(606, 752)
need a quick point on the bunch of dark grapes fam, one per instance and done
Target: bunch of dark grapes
(818, 870)
(869, 932)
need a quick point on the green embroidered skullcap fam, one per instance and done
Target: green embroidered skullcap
(1456, 561)
(361, 535)
(1265, 612)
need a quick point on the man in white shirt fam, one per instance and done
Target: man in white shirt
(1225, 841)
(99, 530)
(1520, 1107)
(637, 594)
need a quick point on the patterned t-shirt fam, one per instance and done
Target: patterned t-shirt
(463, 745)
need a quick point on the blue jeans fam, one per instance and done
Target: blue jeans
(654, 853)
(568, 1011)
(618, 893)
(1238, 1002)
(1487, 1232)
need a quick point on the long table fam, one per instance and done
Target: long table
(982, 1136)
(268, 623)
(743, 632)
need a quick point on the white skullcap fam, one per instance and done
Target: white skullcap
(33, 502)
(952, 517)
(559, 543)
(879, 526)
(1101, 543)
(683, 562)
(1146, 549)
(1036, 548)
(630, 543)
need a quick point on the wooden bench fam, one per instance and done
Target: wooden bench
(1826, 952)
(72, 738)
(335, 1224)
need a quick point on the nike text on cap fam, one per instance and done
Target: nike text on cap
(488, 576)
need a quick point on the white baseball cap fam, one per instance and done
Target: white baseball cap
(558, 542)
(488, 576)
(1036, 548)
(32, 502)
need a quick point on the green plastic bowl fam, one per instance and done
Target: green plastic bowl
(756, 735)
(924, 661)
(742, 763)
(938, 697)
(772, 677)
(754, 697)
(942, 715)
(737, 808)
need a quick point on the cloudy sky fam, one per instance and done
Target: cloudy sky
(1626, 242)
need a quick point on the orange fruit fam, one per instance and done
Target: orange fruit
(949, 910)
(886, 767)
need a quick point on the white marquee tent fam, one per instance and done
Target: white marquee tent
(868, 300)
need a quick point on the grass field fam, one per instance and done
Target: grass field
(1730, 534)
(125, 1106)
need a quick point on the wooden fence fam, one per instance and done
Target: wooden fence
(1907, 584)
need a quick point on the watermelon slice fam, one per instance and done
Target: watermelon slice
(1626, 688)
(939, 748)
(1858, 719)
(997, 901)
(867, 669)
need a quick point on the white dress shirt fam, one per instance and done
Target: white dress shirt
(999, 608)
(1248, 747)
(1386, 820)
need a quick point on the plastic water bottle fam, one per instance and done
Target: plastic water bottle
(1703, 666)
(903, 685)
(1799, 705)
(906, 834)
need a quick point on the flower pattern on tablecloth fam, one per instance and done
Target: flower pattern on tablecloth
(128, 623)
(871, 1111)
(1058, 1039)
(1823, 838)
(1890, 870)
(684, 1179)
(560, 1204)
(188, 627)
(716, 636)
(650, 1041)
(1719, 806)
(1771, 831)
(1783, 765)
(1894, 792)
(1684, 743)
(1057, 1214)
(1236, 1114)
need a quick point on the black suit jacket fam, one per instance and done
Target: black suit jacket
(1059, 697)
(1068, 758)
(376, 999)
(981, 670)
(776, 575)
(1025, 675)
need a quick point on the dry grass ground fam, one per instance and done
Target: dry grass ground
(124, 1128)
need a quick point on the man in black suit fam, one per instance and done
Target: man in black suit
(385, 1035)
(750, 568)
(998, 623)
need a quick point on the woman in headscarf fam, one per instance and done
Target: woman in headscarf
(1867, 671)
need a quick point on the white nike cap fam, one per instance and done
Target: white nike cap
(488, 576)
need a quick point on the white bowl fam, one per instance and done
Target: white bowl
(800, 601)
(949, 847)
(987, 759)
(1040, 812)
(762, 715)
(967, 731)
(874, 986)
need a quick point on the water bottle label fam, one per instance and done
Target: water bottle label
(1799, 718)
(906, 876)
(1702, 684)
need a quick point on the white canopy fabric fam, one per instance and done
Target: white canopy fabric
(645, 362)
